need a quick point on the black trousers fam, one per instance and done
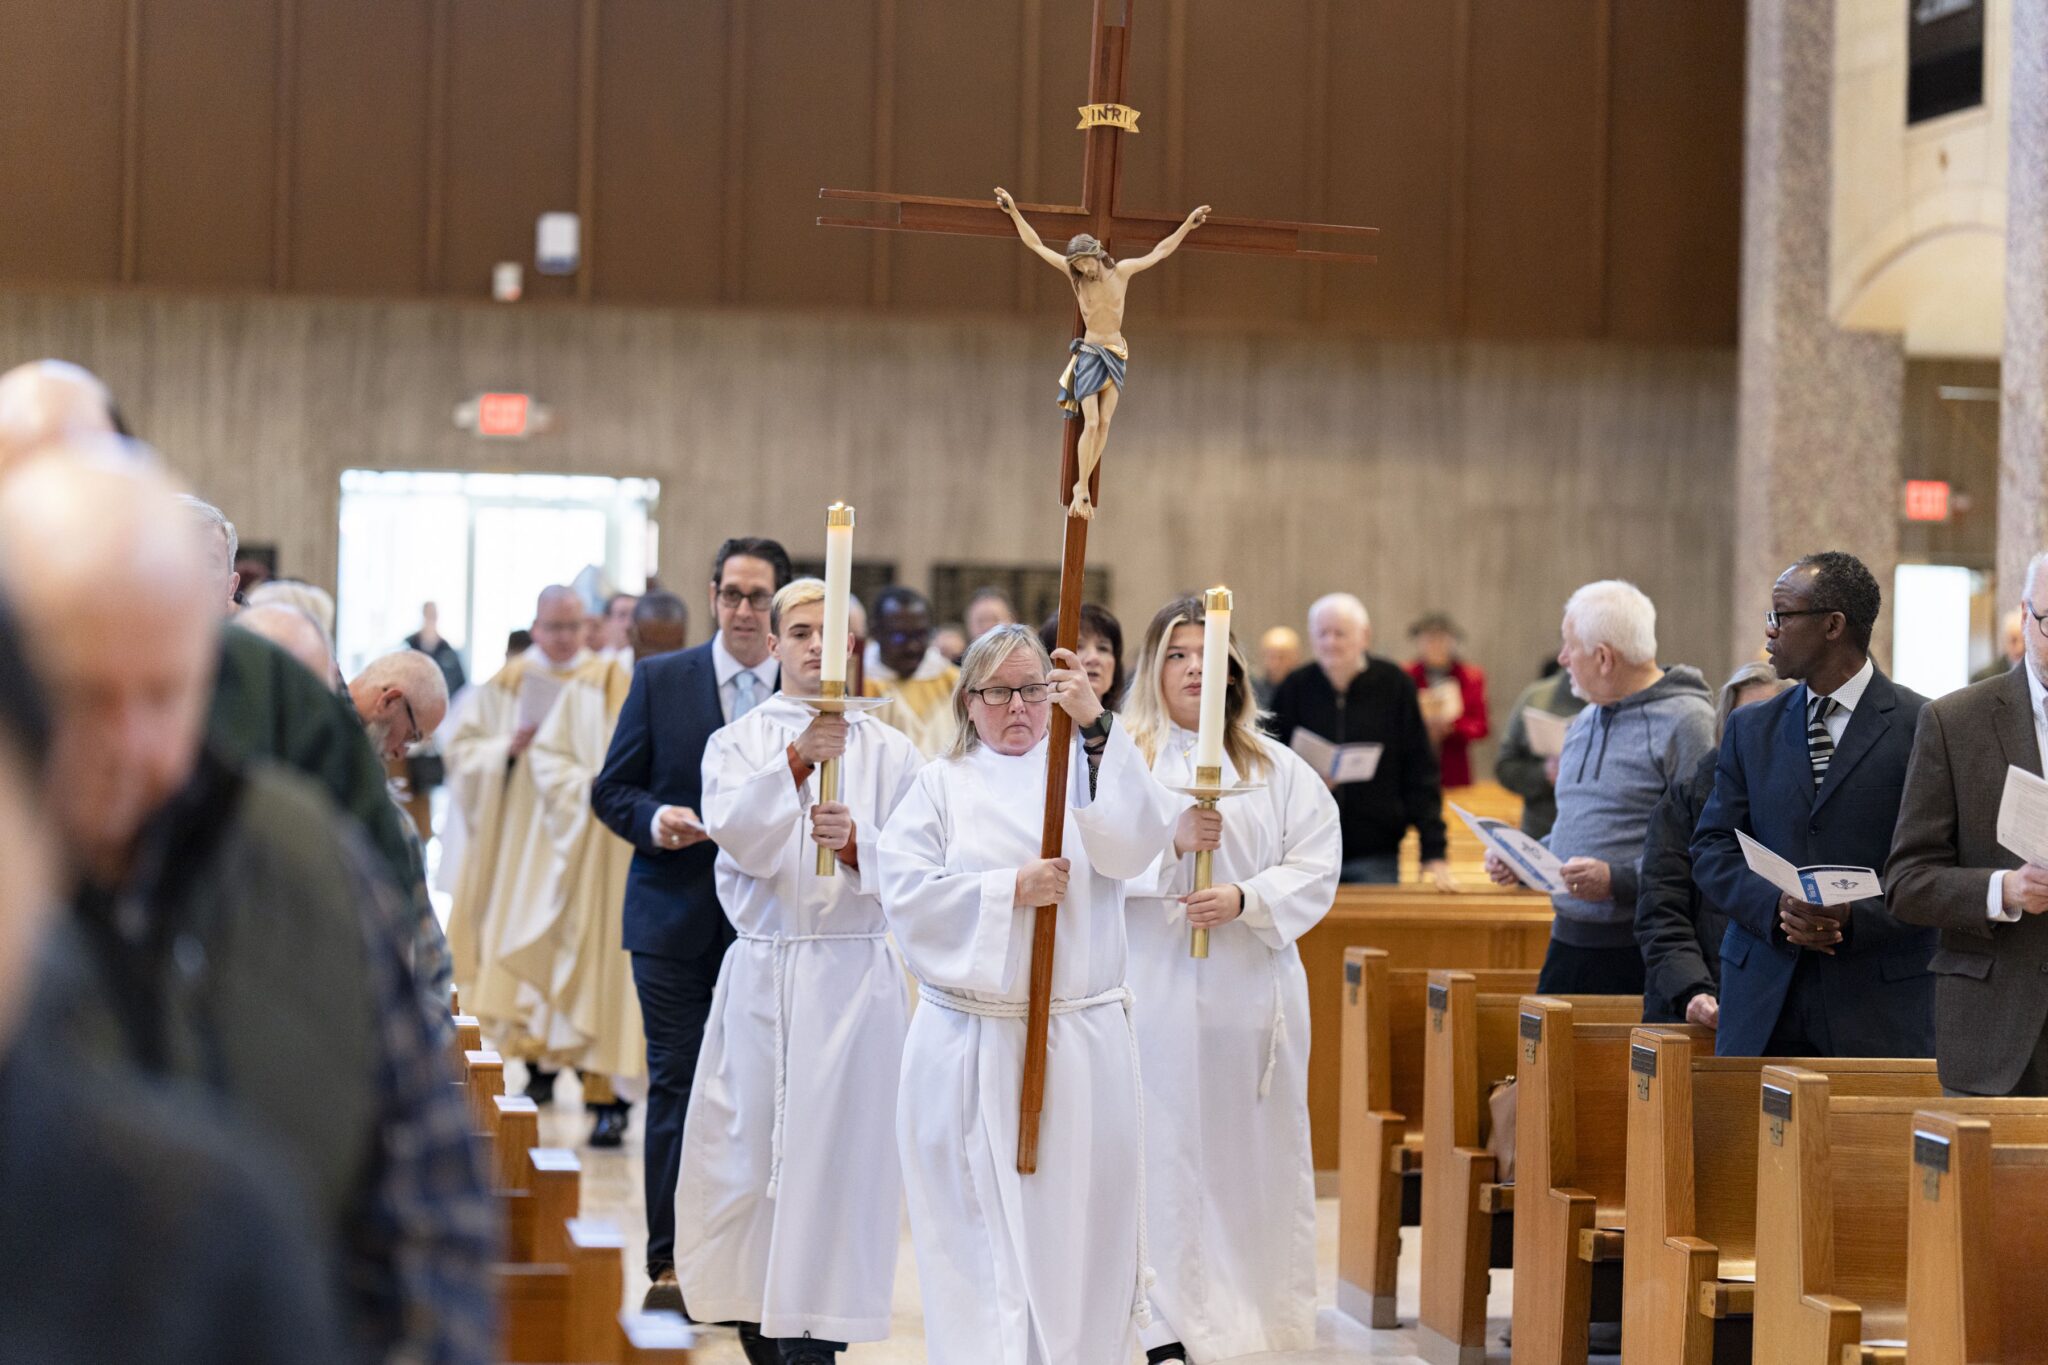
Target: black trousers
(675, 1002)
(1571, 970)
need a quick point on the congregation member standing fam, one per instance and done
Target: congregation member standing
(1047, 1269)
(1814, 776)
(788, 1204)
(1099, 646)
(903, 665)
(650, 794)
(1349, 696)
(1644, 728)
(1453, 696)
(987, 609)
(1224, 1040)
(1949, 872)
(1518, 767)
(1279, 655)
(1678, 929)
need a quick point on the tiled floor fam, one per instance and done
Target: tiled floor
(612, 1190)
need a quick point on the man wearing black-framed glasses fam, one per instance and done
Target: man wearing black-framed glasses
(1814, 776)
(1949, 870)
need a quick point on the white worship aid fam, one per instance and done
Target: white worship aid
(1545, 731)
(1337, 763)
(2023, 816)
(1534, 865)
(1820, 884)
(1445, 699)
(538, 688)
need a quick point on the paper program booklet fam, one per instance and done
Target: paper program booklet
(1337, 763)
(1536, 866)
(2023, 817)
(1820, 884)
(1545, 731)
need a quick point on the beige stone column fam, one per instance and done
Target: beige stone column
(1818, 430)
(2023, 371)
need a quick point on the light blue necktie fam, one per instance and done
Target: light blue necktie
(743, 698)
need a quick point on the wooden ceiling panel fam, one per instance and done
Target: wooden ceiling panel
(1675, 192)
(359, 132)
(659, 222)
(1536, 182)
(512, 137)
(206, 178)
(60, 159)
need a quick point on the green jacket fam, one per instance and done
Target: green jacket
(1520, 768)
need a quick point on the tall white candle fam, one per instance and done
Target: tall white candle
(838, 587)
(1215, 677)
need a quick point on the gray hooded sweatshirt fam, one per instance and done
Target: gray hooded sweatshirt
(1617, 762)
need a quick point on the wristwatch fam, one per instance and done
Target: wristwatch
(1096, 729)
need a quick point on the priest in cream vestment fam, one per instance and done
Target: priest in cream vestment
(576, 955)
(789, 1202)
(508, 871)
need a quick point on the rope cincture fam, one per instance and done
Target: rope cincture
(781, 943)
(1141, 1307)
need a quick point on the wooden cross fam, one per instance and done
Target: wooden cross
(1105, 118)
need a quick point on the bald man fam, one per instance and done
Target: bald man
(201, 885)
(292, 631)
(1279, 655)
(577, 955)
(502, 895)
(48, 400)
(401, 697)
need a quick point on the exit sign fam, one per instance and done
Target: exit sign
(504, 414)
(1927, 500)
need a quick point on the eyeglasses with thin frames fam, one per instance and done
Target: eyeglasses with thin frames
(2040, 618)
(1032, 693)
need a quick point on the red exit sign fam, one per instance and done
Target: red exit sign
(505, 414)
(1927, 500)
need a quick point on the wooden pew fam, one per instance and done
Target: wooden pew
(1976, 1244)
(1384, 1022)
(1834, 1189)
(1690, 1256)
(1472, 1040)
(1571, 1153)
(1417, 927)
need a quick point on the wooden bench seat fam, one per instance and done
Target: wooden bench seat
(1383, 1025)
(1690, 1255)
(1471, 1041)
(1834, 1181)
(1416, 927)
(1571, 1159)
(1976, 1244)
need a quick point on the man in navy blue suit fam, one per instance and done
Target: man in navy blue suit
(648, 795)
(1815, 776)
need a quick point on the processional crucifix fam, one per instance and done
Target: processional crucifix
(1099, 216)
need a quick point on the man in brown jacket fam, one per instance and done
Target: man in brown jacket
(1948, 870)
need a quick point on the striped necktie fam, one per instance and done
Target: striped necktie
(1820, 747)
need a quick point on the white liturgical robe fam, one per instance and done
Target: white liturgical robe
(1230, 1179)
(1045, 1269)
(789, 1200)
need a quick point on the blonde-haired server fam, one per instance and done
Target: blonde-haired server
(1230, 1181)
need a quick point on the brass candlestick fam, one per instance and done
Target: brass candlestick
(1208, 789)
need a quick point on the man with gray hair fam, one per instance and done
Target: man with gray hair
(217, 536)
(1644, 728)
(401, 698)
(1349, 696)
(292, 631)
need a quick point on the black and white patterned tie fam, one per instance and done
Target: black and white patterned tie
(1820, 746)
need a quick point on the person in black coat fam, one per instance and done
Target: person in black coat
(1677, 929)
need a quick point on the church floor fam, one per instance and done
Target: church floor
(612, 1190)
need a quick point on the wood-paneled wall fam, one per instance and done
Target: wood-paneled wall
(1488, 479)
(1563, 169)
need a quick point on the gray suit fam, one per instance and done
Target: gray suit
(1991, 987)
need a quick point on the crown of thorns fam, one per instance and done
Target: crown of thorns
(1084, 245)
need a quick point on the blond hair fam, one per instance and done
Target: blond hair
(983, 658)
(792, 595)
(1145, 714)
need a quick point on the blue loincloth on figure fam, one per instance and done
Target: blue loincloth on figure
(1092, 369)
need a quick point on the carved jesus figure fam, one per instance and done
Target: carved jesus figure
(1094, 375)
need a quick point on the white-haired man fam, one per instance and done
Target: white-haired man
(1349, 696)
(1644, 727)
(217, 535)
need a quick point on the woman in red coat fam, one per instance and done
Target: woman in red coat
(1453, 695)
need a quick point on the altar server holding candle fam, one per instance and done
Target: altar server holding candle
(788, 1205)
(1230, 1180)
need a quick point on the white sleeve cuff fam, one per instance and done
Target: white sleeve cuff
(654, 827)
(1994, 902)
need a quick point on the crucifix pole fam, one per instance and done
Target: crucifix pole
(1105, 119)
